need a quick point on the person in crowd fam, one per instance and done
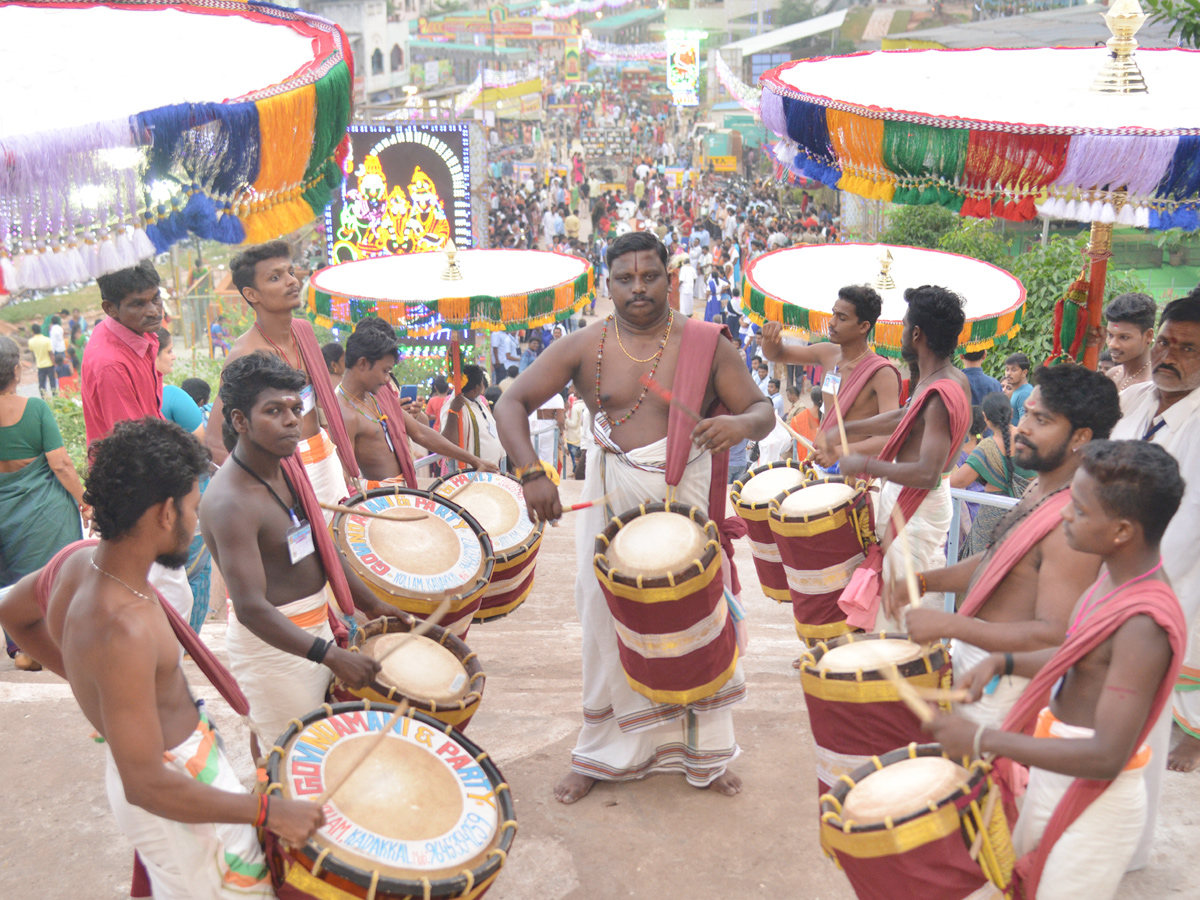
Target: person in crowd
(982, 383)
(1016, 371)
(335, 361)
(201, 393)
(43, 359)
(1129, 333)
(532, 349)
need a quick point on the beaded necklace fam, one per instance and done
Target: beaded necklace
(377, 418)
(657, 358)
(1006, 526)
(279, 349)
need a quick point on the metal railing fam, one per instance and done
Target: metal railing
(537, 431)
(960, 496)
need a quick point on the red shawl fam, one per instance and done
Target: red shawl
(849, 390)
(1018, 542)
(318, 375)
(1149, 598)
(696, 354)
(331, 562)
(393, 424)
(860, 599)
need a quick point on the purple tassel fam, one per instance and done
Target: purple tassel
(1102, 160)
(771, 111)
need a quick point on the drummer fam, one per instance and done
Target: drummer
(1101, 692)
(266, 278)
(192, 827)
(624, 735)
(1020, 591)
(370, 409)
(268, 543)
(866, 383)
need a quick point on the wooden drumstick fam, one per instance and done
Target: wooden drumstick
(425, 627)
(837, 408)
(367, 514)
(586, 504)
(935, 695)
(909, 695)
(910, 575)
(801, 439)
(372, 746)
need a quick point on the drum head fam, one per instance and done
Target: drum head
(497, 503)
(816, 499)
(423, 670)
(901, 789)
(771, 483)
(418, 806)
(655, 544)
(868, 655)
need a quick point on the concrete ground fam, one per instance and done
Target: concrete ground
(656, 838)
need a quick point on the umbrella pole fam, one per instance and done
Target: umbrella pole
(1099, 251)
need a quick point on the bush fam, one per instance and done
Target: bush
(68, 412)
(920, 226)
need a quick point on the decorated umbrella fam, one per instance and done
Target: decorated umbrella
(99, 172)
(1092, 135)
(798, 286)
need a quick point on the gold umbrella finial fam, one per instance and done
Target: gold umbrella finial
(885, 282)
(1120, 73)
(452, 272)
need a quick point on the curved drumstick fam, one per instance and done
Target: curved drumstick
(658, 390)
(908, 694)
(414, 514)
(371, 748)
(837, 408)
(801, 439)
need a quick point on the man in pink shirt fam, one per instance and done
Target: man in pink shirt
(120, 381)
(119, 378)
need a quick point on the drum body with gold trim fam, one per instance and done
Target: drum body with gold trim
(854, 711)
(427, 814)
(435, 672)
(498, 504)
(905, 825)
(751, 498)
(821, 529)
(659, 567)
(415, 564)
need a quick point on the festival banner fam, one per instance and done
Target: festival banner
(407, 190)
(572, 60)
(683, 66)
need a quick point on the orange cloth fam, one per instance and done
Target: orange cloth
(804, 422)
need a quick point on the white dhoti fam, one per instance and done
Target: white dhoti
(1094, 852)
(189, 861)
(174, 587)
(625, 735)
(992, 708)
(280, 686)
(926, 532)
(324, 470)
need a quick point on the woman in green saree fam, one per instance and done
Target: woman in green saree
(41, 497)
(992, 464)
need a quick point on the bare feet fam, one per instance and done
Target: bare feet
(1185, 755)
(727, 783)
(573, 787)
(26, 663)
(796, 663)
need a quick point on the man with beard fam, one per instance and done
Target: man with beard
(173, 791)
(638, 458)
(1021, 590)
(263, 524)
(266, 278)
(1130, 337)
(866, 384)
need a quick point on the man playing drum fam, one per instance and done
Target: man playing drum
(1100, 693)
(173, 791)
(264, 527)
(1020, 591)
(924, 441)
(266, 279)
(625, 736)
(866, 384)
(377, 425)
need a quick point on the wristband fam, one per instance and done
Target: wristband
(978, 739)
(1008, 663)
(921, 584)
(261, 819)
(533, 475)
(316, 653)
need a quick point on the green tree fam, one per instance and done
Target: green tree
(978, 239)
(920, 226)
(1183, 16)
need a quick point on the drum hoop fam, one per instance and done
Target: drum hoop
(928, 662)
(506, 812)
(735, 496)
(502, 556)
(775, 504)
(673, 579)
(830, 804)
(467, 591)
(445, 637)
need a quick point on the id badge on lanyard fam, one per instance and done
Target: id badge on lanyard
(300, 541)
(831, 383)
(308, 397)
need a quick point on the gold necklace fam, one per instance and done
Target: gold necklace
(145, 597)
(1128, 379)
(617, 329)
(851, 362)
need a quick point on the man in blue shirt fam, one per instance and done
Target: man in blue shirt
(1016, 370)
(982, 383)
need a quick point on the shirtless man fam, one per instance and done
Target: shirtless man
(629, 464)
(1094, 700)
(876, 387)
(279, 640)
(371, 354)
(266, 279)
(122, 659)
(1021, 590)
(1129, 332)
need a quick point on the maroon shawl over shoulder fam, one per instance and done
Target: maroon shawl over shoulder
(859, 377)
(318, 375)
(393, 423)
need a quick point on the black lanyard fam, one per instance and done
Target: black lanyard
(1153, 430)
(290, 510)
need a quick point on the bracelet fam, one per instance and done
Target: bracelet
(922, 586)
(1008, 663)
(531, 476)
(317, 652)
(977, 750)
(263, 806)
